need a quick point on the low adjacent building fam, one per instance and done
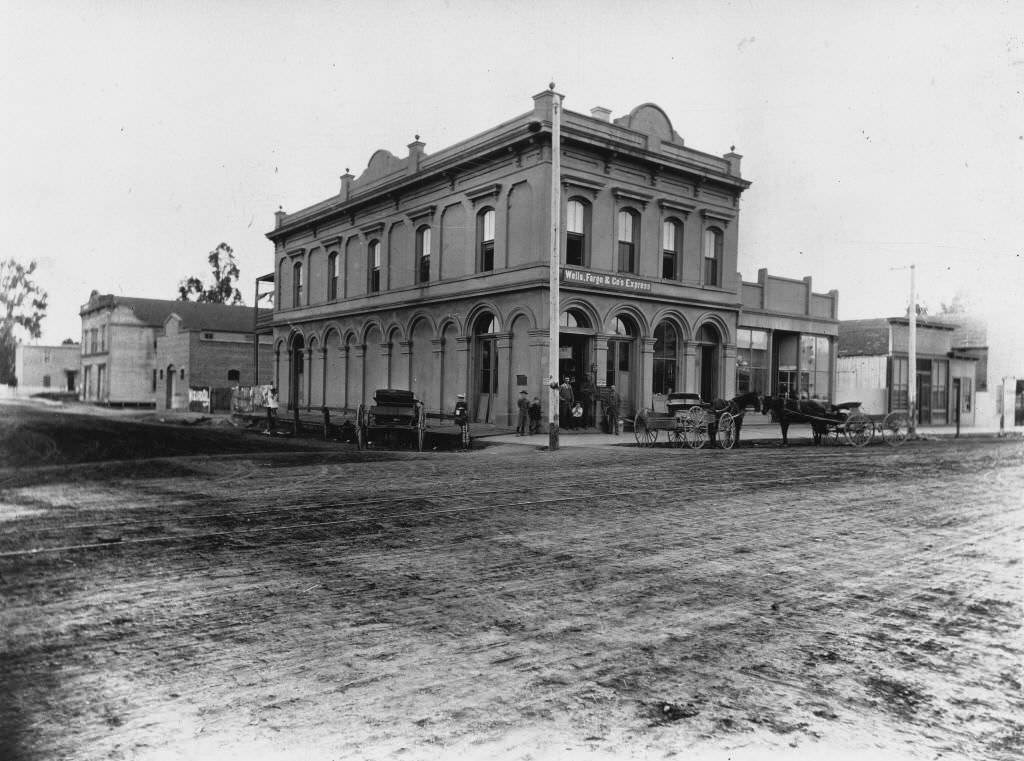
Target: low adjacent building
(152, 352)
(873, 367)
(47, 369)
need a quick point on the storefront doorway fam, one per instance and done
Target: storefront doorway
(296, 394)
(621, 365)
(709, 340)
(486, 368)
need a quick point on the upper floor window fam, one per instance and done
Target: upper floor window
(332, 276)
(485, 235)
(577, 225)
(297, 284)
(374, 262)
(234, 375)
(712, 256)
(671, 237)
(423, 254)
(628, 232)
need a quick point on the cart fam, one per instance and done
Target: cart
(680, 421)
(396, 419)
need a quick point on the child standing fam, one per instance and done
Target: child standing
(534, 412)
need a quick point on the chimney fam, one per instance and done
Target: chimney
(279, 216)
(734, 161)
(601, 113)
(542, 103)
(416, 155)
(346, 184)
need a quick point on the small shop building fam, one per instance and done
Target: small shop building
(431, 273)
(874, 368)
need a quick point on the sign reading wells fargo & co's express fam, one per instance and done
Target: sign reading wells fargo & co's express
(604, 280)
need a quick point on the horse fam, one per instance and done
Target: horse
(789, 411)
(736, 407)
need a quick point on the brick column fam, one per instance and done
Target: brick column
(437, 349)
(462, 344)
(403, 368)
(323, 388)
(729, 369)
(309, 375)
(503, 345)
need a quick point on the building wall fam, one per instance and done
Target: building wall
(125, 350)
(35, 365)
(863, 379)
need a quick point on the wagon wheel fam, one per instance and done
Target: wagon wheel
(677, 434)
(645, 436)
(421, 427)
(697, 427)
(727, 430)
(896, 428)
(859, 429)
(361, 426)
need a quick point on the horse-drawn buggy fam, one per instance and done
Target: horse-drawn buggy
(837, 422)
(396, 419)
(690, 421)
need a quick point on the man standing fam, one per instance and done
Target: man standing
(272, 405)
(524, 407)
(612, 412)
(565, 400)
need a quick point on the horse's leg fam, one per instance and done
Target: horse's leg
(785, 433)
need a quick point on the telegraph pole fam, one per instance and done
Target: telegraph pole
(554, 267)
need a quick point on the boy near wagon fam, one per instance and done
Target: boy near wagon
(461, 415)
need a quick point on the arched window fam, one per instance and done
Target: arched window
(623, 328)
(297, 284)
(374, 266)
(712, 256)
(671, 238)
(423, 254)
(485, 238)
(574, 318)
(577, 232)
(628, 237)
(666, 345)
(332, 276)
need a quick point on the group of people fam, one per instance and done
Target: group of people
(529, 414)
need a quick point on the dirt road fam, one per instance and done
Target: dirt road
(515, 604)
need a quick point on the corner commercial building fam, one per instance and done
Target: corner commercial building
(430, 272)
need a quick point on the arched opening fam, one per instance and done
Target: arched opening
(297, 376)
(574, 343)
(666, 359)
(622, 362)
(486, 366)
(709, 355)
(169, 390)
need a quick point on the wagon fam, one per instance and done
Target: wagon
(857, 428)
(838, 422)
(396, 419)
(686, 421)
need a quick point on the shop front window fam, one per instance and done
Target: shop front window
(751, 360)
(666, 359)
(815, 357)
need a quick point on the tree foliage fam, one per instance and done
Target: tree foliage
(22, 304)
(224, 275)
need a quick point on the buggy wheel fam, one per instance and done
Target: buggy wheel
(361, 426)
(895, 428)
(644, 435)
(859, 429)
(727, 430)
(696, 427)
(676, 436)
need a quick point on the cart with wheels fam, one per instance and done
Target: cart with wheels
(397, 419)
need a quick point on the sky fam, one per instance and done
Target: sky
(876, 135)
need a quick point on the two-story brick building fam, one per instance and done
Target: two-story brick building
(149, 352)
(430, 272)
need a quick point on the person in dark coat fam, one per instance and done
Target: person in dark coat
(524, 408)
(534, 412)
(565, 401)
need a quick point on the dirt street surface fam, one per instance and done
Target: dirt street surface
(272, 602)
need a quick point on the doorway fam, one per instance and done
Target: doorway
(709, 341)
(486, 368)
(169, 389)
(297, 373)
(924, 393)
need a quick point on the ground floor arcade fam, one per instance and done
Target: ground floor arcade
(491, 349)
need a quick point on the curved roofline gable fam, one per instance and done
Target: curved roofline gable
(651, 119)
(382, 163)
